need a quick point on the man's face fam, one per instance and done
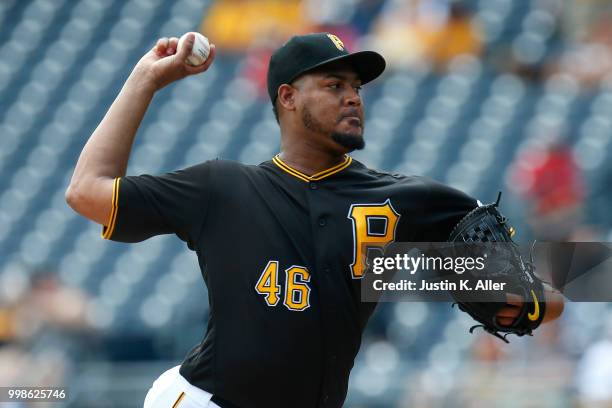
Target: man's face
(330, 106)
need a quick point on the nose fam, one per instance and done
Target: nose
(353, 98)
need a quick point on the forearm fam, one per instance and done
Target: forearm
(106, 153)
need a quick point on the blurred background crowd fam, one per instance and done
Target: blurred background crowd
(480, 94)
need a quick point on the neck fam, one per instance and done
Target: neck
(309, 159)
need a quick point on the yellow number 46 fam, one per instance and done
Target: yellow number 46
(297, 291)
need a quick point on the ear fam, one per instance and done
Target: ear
(286, 96)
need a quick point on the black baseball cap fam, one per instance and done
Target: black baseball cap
(303, 53)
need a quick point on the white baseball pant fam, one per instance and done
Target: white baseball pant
(172, 390)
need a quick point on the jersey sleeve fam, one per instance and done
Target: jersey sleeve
(445, 207)
(173, 203)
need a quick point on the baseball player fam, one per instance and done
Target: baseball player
(282, 245)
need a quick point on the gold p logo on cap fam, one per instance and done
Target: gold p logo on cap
(337, 42)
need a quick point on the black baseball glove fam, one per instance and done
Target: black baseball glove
(485, 228)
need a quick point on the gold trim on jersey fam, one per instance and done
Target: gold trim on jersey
(315, 177)
(178, 400)
(109, 228)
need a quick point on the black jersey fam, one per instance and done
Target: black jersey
(282, 254)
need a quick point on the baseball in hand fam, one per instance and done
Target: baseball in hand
(200, 50)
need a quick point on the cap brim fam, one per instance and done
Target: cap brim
(368, 65)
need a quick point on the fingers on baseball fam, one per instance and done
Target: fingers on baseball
(186, 47)
(161, 46)
(201, 68)
(172, 46)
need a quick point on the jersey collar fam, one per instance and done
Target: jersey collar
(315, 177)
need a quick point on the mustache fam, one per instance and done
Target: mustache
(350, 113)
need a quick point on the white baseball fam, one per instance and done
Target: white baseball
(200, 50)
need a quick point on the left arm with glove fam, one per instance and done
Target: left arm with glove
(528, 301)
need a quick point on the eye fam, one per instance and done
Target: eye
(334, 85)
(358, 88)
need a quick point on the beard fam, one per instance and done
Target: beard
(348, 140)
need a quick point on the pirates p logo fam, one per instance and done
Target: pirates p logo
(337, 42)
